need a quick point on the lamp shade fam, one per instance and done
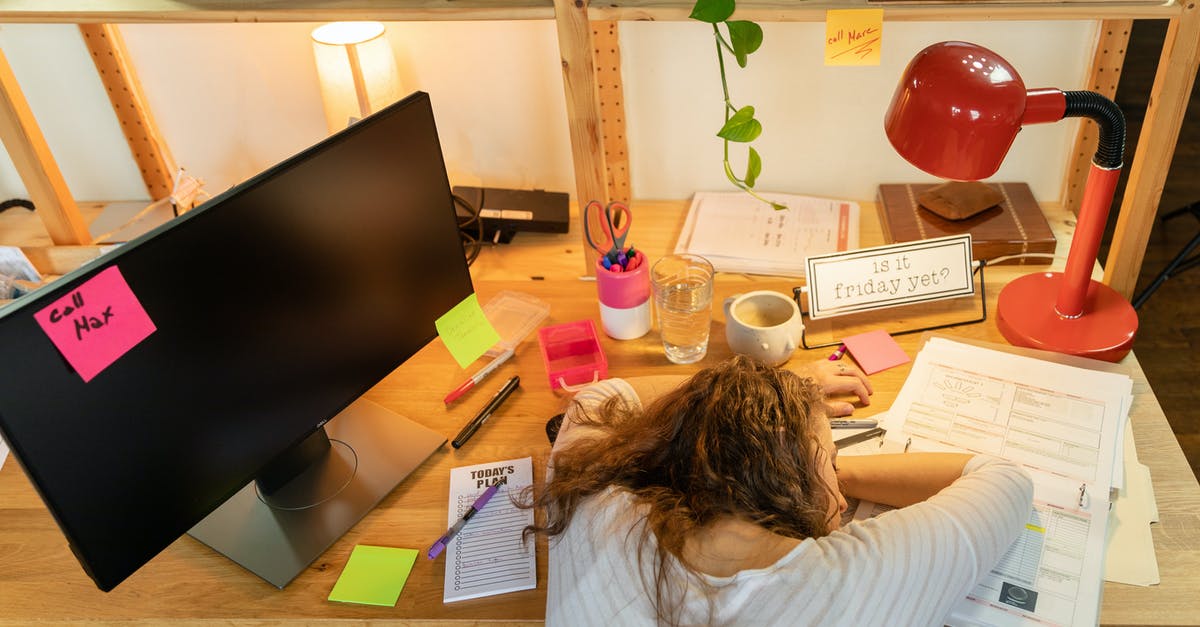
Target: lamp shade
(357, 71)
(956, 111)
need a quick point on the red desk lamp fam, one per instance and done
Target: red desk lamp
(954, 115)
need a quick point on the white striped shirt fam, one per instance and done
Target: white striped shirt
(905, 567)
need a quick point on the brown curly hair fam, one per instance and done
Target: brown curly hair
(739, 439)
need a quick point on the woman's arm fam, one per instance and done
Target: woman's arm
(900, 479)
(651, 387)
(647, 389)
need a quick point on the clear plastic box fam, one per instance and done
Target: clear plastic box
(514, 316)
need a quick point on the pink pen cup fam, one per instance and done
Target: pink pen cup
(625, 299)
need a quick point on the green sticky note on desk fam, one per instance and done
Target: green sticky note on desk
(374, 575)
(466, 332)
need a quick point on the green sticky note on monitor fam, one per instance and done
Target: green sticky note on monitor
(374, 575)
(466, 332)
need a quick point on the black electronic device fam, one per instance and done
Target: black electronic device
(274, 307)
(553, 426)
(503, 212)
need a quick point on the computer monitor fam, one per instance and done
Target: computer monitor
(268, 311)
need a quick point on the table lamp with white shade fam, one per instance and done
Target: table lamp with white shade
(357, 71)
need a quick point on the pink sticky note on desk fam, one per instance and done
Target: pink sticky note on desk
(875, 351)
(96, 323)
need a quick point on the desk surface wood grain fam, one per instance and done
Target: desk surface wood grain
(41, 581)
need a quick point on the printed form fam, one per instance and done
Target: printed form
(1065, 426)
(739, 233)
(488, 556)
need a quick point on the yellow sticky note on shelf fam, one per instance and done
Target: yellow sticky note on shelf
(853, 36)
(466, 332)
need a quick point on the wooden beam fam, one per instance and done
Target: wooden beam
(130, 11)
(120, 80)
(607, 50)
(583, 109)
(1103, 77)
(58, 260)
(1169, 96)
(35, 164)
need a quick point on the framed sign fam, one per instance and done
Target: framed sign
(889, 276)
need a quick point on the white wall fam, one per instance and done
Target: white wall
(233, 99)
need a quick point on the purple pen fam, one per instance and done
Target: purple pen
(441, 543)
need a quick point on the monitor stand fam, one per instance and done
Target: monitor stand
(277, 532)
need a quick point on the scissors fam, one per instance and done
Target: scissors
(606, 227)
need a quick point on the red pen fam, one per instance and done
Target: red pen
(837, 354)
(477, 377)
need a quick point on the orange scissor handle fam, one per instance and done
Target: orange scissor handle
(607, 226)
(620, 219)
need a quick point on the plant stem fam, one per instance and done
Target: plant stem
(728, 107)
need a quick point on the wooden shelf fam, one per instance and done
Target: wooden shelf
(172, 11)
(589, 118)
(141, 11)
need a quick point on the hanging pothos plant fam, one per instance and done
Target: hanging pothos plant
(744, 37)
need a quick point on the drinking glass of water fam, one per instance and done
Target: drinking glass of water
(683, 288)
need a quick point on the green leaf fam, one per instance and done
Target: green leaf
(753, 167)
(746, 37)
(778, 206)
(712, 11)
(741, 127)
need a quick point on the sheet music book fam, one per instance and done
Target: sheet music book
(1066, 426)
(739, 233)
(488, 556)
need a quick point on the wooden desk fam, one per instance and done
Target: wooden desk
(41, 581)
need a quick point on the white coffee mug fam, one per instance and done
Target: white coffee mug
(763, 324)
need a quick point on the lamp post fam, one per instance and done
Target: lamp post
(955, 114)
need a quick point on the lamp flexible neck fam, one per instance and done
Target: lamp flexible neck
(1110, 149)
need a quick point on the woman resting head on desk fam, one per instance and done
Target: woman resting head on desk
(717, 499)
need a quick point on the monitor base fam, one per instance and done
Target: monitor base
(379, 446)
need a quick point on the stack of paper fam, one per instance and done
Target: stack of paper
(739, 233)
(1066, 426)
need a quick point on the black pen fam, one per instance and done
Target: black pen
(877, 432)
(486, 412)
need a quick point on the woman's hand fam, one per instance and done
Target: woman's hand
(837, 378)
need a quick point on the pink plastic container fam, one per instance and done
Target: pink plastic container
(572, 354)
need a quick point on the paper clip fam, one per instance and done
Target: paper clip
(1083, 496)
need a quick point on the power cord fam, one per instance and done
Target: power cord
(470, 227)
(16, 202)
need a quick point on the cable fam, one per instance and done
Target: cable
(470, 227)
(16, 202)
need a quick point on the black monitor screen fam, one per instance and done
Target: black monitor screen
(274, 306)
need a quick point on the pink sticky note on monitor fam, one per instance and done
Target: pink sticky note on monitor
(96, 323)
(875, 351)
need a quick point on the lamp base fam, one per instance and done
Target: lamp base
(1026, 316)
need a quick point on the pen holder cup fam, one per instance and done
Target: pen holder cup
(625, 299)
(572, 354)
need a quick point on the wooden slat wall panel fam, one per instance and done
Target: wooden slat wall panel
(583, 109)
(1103, 77)
(607, 48)
(129, 103)
(1169, 97)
